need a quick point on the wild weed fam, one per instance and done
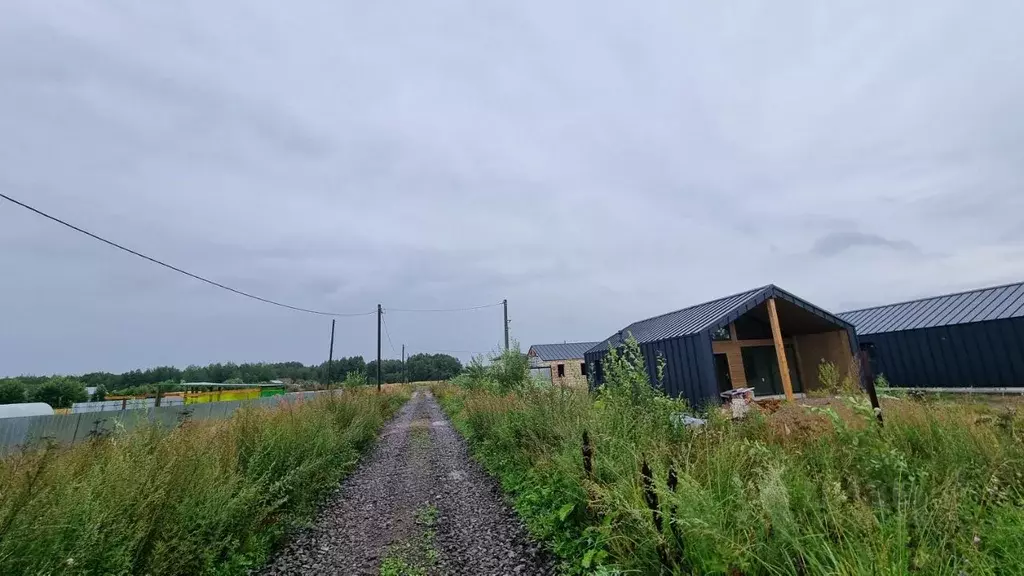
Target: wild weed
(204, 498)
(938, 490)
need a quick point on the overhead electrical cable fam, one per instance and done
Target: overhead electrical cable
(470, 308)
(179, 270)
(388, 334)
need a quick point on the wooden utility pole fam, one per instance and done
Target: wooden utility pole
(380, 312)
(867, 375)
(405, 371)
(330, 355)
(505, 304)
(780, 349)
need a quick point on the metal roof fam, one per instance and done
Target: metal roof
(564, 351)
(995, 303)
(715, 313)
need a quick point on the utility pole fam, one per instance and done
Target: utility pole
(405, 371)
(505, 304)
(380, 312)
(330, 355)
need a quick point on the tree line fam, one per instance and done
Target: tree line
(61, 391)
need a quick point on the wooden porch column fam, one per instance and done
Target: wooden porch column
(780, 349)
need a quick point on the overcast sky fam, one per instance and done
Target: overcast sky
(593, 162)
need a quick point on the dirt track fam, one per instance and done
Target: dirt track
(417, 505)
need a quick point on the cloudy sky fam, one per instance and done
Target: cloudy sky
(593, 162)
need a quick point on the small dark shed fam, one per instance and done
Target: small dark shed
(735, 342)
(969, 339)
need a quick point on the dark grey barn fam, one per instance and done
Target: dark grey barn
(731, 342)
(968, 339)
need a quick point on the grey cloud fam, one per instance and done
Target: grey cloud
(835, 243)
(593, 164)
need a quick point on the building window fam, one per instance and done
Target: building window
(561, 370)
(583, 368)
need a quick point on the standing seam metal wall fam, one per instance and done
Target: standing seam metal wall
(595, 373)
(978, 354)
(689, 367)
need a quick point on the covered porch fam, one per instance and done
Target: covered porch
(749, 351)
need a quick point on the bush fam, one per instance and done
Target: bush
(59, 392)
(502, 372)
(205, 498)
(355, 380)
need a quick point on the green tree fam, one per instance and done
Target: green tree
(161, 374)
(12, 391)
(433, 367)
(391, 371)
(105, 379)
(195, 374)
(60, 392)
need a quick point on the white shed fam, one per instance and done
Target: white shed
(25, 409)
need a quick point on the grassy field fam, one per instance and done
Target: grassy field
(205, 498)
(817, 490)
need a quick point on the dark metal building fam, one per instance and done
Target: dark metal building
(730, 343)
(968, 339)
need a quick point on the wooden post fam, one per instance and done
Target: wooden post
(380, 312)
(505, 304)
(780, 349)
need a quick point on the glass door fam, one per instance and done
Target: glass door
(762, 368)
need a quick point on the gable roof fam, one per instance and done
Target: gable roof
(708, 315)
(565, 351)
(979, 305)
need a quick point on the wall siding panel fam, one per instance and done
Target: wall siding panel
(981, 354)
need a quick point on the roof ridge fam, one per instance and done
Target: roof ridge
(926, 298)
(562, 350)
(706, 302)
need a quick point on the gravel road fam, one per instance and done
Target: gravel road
(416, 506)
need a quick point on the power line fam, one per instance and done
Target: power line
(446, 309)
(412, 348)
(179, 270)
(388, 333)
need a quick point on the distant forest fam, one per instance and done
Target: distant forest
(62, 391)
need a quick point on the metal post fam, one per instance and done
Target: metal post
(330, 355)
(380, 311)
(505, 304)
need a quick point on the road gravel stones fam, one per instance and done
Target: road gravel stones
(419, 463)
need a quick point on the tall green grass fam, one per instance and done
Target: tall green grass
(204, 498)
(938, 490)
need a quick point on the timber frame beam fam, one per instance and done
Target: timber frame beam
(780, 350)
